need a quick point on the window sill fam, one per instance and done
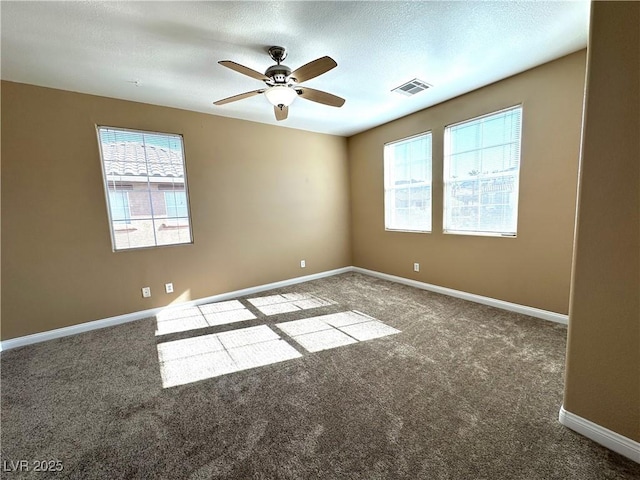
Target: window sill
(406, 231)
(480, 234)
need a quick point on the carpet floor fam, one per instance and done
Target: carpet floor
(407, 384)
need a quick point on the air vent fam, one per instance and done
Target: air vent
(412, 87)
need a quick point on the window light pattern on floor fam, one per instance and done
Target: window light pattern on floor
(183, 319)
(288, 302)
(193, 359)
(335, 330)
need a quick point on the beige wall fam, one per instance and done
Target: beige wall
(534, 268)
(262, 198)
(603, 355)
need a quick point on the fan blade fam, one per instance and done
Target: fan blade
(238, 97)
(320, 97)
(313, 69)
(244, 70)
(281, 113)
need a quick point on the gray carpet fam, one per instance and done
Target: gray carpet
(465, 391)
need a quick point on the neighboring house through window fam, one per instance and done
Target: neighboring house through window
(146, 188)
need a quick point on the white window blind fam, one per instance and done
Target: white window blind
(407, 184)
(481, 174)
(146, 188)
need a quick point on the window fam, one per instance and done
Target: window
(146, 189)
(481, 174)
(407, 184)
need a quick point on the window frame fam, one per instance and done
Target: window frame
(446, 167)
(386, 187)
(147, 179)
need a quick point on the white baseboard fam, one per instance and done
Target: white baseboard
(513, 307)
(605, 437)
(130, 317)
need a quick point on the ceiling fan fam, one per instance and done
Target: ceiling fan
(283, 85)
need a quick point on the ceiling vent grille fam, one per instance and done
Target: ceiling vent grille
(412, 87)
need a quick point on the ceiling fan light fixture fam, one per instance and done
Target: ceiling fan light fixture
(280, 95)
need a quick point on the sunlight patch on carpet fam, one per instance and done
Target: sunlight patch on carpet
(173, 320)
(336, 330)
(288, 302)
(194, 359)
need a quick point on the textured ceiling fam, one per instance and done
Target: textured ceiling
(166, 53)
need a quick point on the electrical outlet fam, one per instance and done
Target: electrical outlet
(303, 264)
(146, 292)
(416, 267)
(168, 287)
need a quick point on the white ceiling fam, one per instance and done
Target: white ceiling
(171, 50)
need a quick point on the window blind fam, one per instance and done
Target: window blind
(481, 174)
(407, 182)
(145, 181)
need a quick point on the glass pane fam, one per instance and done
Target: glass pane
(119, 202)
(173, 230)
(402, 197)
(140, 202)
(134, 234)
(494, 132)
(466, 137)
(176, 203)
(465, 164)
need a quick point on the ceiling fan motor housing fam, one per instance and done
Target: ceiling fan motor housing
(278, 73)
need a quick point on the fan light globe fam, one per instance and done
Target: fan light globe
(280, 95)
